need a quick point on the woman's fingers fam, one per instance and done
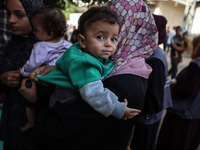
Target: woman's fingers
(40, 71)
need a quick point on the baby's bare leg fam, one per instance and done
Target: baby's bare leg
(31, 117)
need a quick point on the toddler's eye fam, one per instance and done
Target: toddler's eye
(114, 39)
(100, 37)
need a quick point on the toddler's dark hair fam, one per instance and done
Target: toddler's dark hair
(51, 19)
(96, 14)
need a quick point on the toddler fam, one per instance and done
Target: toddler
(49, 26)
(86, 63)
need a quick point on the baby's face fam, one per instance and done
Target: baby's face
(39, 32)
(101, 39)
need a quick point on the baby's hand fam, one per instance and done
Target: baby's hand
(130, 112)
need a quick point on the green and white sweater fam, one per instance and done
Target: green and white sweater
(80, 70)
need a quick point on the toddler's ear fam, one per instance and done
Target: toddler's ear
(50, 35)
(81, 40)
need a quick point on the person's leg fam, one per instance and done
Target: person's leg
(151, 136)
(138, 140)
(165, 45)
(192, 134)
(178, 133)
(31, 112)
(167, 133)
(144, 136)
(168, 47)
(174, 67)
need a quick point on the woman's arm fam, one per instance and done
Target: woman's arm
(190, 85)
(177, 48)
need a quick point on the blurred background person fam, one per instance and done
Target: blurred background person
(158, 95)
(166, 46)
(170, 35)
(180, 128)
(176, 42)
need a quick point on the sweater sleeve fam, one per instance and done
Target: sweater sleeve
(86, 76)
(102, 99)
(37, 58)
(190, 85)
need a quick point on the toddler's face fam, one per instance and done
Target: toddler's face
(17, 18)
(39, 32)
(101, 39)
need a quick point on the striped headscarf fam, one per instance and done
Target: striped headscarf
(138, 37)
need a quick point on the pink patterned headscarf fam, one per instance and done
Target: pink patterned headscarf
(138, 37)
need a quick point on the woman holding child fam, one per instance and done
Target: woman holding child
(76, 125)
(16, 54)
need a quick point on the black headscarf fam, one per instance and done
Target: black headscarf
(30, 6)
(161, 22)
(18, 48)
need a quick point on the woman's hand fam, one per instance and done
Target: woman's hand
(40, 71)
(29, 93)
(11, 78)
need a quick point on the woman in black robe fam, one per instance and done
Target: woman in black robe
(77, 126)
(16, 54)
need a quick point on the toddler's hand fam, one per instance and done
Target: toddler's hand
(130, 112)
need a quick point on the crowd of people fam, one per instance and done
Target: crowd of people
(106, 88)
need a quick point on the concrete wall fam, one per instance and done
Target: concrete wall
(174, 13)
(196, 21)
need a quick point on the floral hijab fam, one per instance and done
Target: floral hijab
(138, 37)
